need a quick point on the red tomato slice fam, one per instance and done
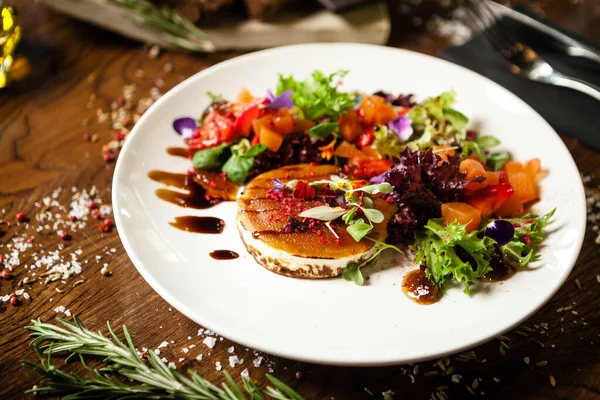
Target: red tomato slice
(215, 130)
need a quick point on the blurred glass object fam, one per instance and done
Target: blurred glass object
(10, 35)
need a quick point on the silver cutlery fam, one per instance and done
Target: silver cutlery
(571, 46)
(523, 60)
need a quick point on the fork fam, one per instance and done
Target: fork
(524, 61)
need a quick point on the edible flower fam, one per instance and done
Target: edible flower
(302, 190)
(284, 100)
(501, 231)
(185, 127)
(380, 178)
(277, 185)
(402, 127)
(327, 150)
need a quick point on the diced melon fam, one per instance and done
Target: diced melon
(513, 208)
(524, 185)
(533, 167)
(348, 150)
(473, 169)
(463, 213)
(270, 138)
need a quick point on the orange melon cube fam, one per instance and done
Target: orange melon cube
(524, 186)
(270, 138)
(473, 169)
(463, 213)
(512, 208)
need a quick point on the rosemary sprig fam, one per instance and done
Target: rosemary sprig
(125, 374)
(175, 29)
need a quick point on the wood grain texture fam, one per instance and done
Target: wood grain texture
(41, 148)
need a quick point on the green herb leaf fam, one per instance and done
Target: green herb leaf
(255, 150)
(237, 168)
(123, 374)
(496, 160)
(487, 141)
(457, 119)
(323, 130)
(209, 158)
(318, 95)
(373, 215)
(213, 97)
(359, 229)
(368, 202)
(518, 250)
(384, 187)
(469, 147)
(349, 216)
(352, 273)
(323, 213)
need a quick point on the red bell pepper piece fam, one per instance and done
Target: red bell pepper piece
(366, 138)
(243, 125)
(368, 168)
(490, 198)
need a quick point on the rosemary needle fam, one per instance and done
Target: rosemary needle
(125, 374)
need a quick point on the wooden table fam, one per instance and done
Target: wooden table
(42, 147)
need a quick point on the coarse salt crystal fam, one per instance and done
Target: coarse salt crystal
(199, 358)
(218, 366)
(245, 373)
(163, 344)
(210, 341)
(231, 349)
(185, 350)
(171, 365)
(456, 378)
(257, 361)
(233, 361)
(181, 359)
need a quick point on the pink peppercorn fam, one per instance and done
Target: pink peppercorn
(5, 274)
(91, 205)
(14, 300)
(64, 235)
(96, 214)
(20, 217)
(73, 218)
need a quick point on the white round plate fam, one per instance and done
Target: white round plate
(333, 321)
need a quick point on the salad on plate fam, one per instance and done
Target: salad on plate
(334, 178)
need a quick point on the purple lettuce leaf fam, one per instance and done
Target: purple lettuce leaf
(421, 183)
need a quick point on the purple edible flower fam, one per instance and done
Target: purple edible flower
(185, 127)
(380, 178)
(501, 231)
(281, 101)
(277, 185)
(402, 127)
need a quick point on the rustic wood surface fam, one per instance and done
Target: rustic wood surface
(42, 148)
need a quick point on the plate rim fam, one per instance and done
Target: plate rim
(286, 353)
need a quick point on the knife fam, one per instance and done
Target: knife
(566, 41)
